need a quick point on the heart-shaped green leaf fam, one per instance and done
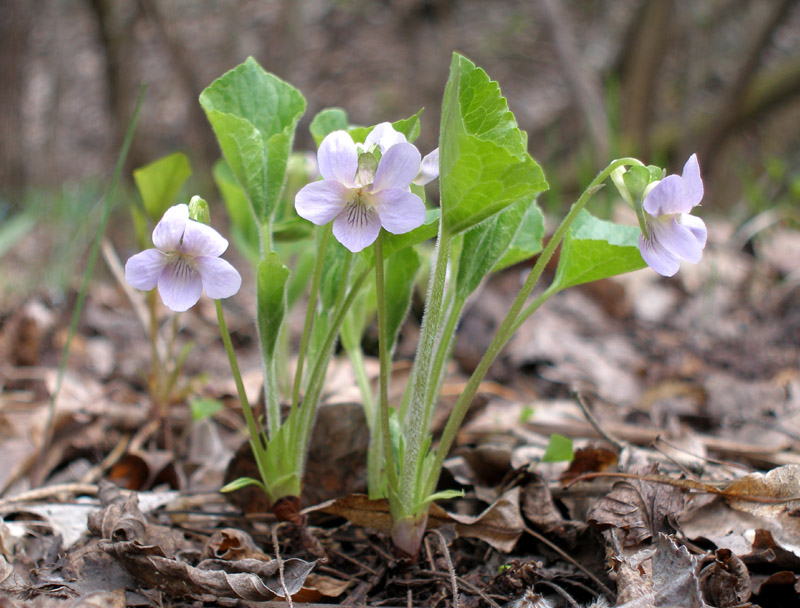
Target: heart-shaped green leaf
(254, 115)
(596, 249)
(484, 163)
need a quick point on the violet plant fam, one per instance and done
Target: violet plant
(371, 222)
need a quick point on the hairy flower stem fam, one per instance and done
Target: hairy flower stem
(302, 434)
(417, 430)
(252, 426)
(383, 378)
(311, 308)
(506, 330)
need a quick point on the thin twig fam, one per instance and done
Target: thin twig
(51, 491)
(450, 569)
(277, 550)
(561, 592)
(465, 585)
(571, 560)
(618, 445)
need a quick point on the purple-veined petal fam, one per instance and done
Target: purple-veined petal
(667, 197)
(143, 269)
(676, 239)
(696, 226)
(200, 239)
(357, 226)
(429, 169)
(385, 136)
(693, 181)
(400, 211)
(658, 258)
(220, 279)
(398, 167)
(180, 286)
(320, 202)
(169, 231)
(338, 158)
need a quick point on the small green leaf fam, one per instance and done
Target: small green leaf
(484, 164)
(595, 249)
(442, 495)
(160, 182)
(327, 121)
(407, 126)
(205, 408)
(636, 179)
(254, 115)
(242, 482)
(526, 413)
(271, 297)
(559, 449)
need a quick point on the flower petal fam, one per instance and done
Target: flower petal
(658, 258)
(320, 202)
(676, 239)
(398, 167)
(169, 231)
(200, 239)
(180, 286)
(400, 210)
(143, 269)
(357, 226)
(668, 196)
(429, 169)
(696, 226)
(693, 181)
(220, 279)
(338, 158)
(385, 136)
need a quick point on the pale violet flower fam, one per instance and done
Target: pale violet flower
(359, 197)
(184, 262)
(672, 234)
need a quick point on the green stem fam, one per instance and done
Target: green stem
(443, 351)
(383, 378)
(302, 434)
(316, 280)
(416, 431)
(255, 435)
(506, 330)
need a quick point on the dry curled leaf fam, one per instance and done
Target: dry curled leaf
(500, 524)
(725, 581)
(232, 544)
(247, 579)
(639, 508)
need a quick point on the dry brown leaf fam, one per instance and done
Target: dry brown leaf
(500, 525)
(639, 508)
(661, 577)
(318, 587)
(541, 511)
(147, 551)
(725, 581)
(590, 459)
(780, 518)
(232, 544)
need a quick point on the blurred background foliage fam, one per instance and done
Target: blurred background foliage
(588, 80)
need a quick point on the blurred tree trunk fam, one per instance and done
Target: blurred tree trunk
(643, 57)
(115, 29)
(15, 22)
